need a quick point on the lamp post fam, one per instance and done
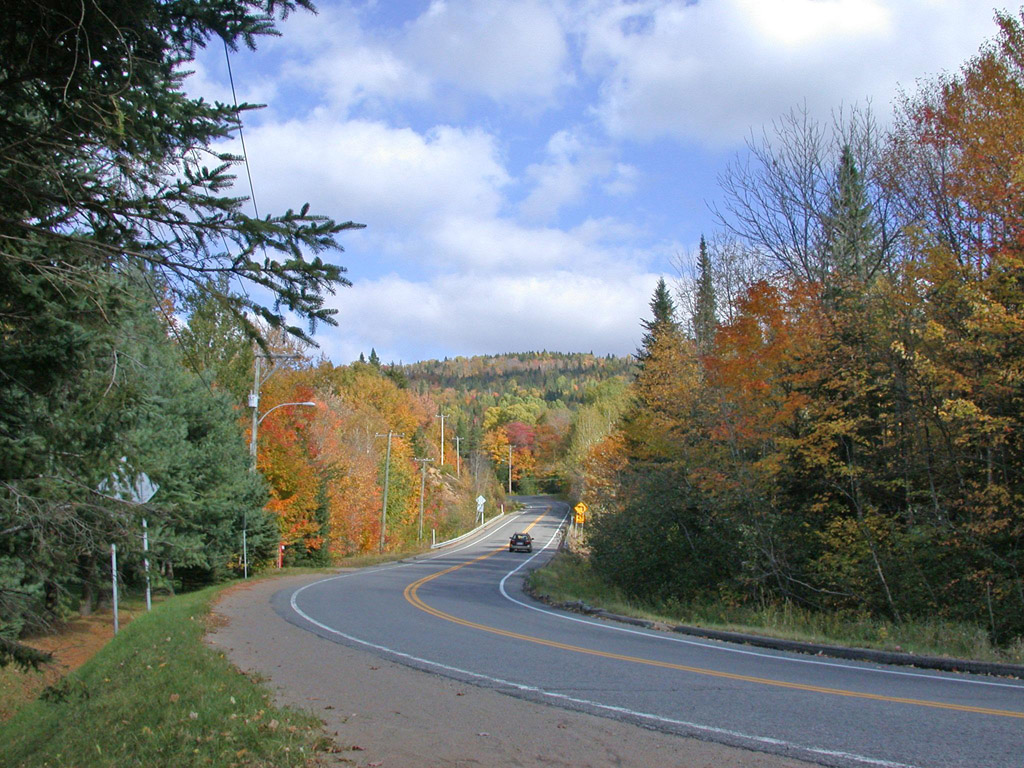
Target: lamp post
(256, 423)
(254, 402)
(254, 394)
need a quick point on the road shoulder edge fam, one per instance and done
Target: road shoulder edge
(941, 663)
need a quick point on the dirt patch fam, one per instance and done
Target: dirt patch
(77, 641)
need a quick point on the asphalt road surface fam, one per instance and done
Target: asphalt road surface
(461, 613)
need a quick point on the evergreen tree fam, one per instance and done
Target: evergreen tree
(99, 161)
(705, 318)
(662, 386)
(103, 202)
(188, 442)
(215, 344)
(663, 321)
(374, 360)
(850, 233)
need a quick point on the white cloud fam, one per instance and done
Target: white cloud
(209, 80)
(382, 176)
(624, 180)
(796, 23)
(497, 246)
(572, 165)
(460, 314)
(367, 75)
(503, 50)
(345, 64)
(711, 71)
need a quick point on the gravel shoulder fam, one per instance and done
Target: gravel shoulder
(384, 714)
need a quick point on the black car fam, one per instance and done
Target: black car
(520, 542)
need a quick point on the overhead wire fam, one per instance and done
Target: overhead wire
(241, 133)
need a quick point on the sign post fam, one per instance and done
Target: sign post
(480, 508)
(145, 560)
(113, 575)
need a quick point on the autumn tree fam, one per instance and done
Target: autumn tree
(855, 438)
(957, 164)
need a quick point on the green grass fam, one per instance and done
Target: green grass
(569, 578)
(157, 695)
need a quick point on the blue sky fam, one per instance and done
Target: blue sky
(527, 170)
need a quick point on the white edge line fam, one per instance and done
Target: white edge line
(710, 729)
(716, 647)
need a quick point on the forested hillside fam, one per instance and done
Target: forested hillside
(558, 376)
(528, 411)
(828, 411)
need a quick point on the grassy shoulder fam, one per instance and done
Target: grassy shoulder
(569, 578)
(157, 695)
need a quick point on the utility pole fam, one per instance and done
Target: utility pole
(510, 469)
(254, 403)
(441, 416)
(423, 488)
(458, 457)
(387, 476)
(254, 395)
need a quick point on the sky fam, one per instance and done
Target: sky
(526, 171)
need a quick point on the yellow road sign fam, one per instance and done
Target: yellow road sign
(581, 513)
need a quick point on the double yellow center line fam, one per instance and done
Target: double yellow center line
(411, 594)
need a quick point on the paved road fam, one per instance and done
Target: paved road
(461, 613)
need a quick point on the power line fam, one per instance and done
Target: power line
(241, 133)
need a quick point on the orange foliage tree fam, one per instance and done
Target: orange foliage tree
(326, 466)
(858, 442)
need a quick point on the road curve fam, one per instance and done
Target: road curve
(462, 613)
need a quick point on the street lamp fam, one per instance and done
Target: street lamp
(256, 423)
(254, 402)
